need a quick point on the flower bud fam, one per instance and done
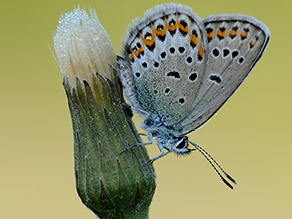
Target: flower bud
(111, 184)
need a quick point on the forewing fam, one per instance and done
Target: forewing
(234, 45)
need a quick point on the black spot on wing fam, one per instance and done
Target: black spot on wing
(173, 74)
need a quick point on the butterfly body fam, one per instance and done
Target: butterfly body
(179, 69)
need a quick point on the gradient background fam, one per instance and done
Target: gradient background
(250, 136)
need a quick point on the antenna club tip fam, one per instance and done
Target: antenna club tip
(230, 178)
(227, 183)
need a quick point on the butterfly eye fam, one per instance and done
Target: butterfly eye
(180, 147)
(182, 143)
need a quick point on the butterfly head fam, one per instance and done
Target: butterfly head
(180, 147)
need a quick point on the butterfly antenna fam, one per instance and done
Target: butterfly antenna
(207, 156)
(226, 174)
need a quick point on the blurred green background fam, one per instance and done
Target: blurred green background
(250, 136)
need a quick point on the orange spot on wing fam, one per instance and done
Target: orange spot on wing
(171, 28)
(210, 35)
(182, 28)
(148, 42)
(233, 33)
(201, 51)
(136, 53)
(221, 33)
(132, 56)
(244, 34)
(252, 44)
(194, 39)
(160, 32)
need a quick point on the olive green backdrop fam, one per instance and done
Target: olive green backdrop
(250, 136)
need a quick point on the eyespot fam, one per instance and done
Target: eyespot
(156, 64)
(194, 32)
(172, 23)
(234, 54)
(173, 74)
(167, 90)
(181, 49)
(160, 27)
(222, 29)
(183, 23)
(163, 55)
(148, 36)
(193, 76)
(139, 45)
(246, 30)
(182, 100)
(172, 50)
(226, 52)
(215, 52)
(241, 60)
(189, 60)
(215, 78)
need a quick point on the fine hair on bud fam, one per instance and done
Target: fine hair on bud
(83, 46)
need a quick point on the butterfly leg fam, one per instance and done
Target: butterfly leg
(159, 156)
(150, 137)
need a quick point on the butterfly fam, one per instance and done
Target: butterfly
(179, 69)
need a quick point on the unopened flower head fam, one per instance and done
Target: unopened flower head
(111, 184)
(83, 47)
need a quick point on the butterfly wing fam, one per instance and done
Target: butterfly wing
(164, 58)
(234, 45)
